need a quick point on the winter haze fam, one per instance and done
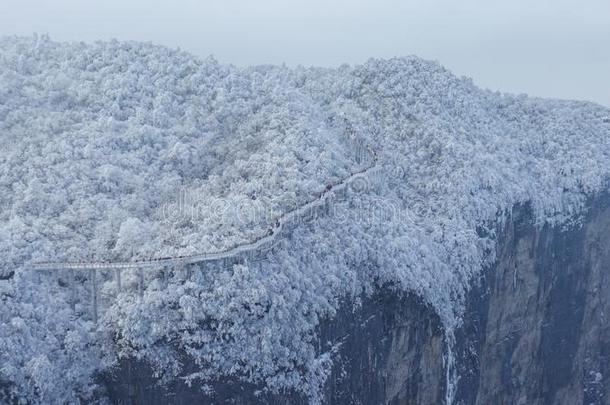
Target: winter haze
(545, 48)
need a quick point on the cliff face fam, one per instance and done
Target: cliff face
(535, 332)
(391, 351)
(536, 327)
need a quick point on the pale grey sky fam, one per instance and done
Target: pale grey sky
(549, 48)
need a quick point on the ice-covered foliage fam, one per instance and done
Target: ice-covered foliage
(115, 150)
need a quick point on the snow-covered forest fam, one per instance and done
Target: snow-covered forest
(120, 150)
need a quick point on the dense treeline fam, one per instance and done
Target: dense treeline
(117, 150)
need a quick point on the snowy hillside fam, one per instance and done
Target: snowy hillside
(115, 151)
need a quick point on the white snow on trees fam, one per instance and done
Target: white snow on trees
(115, 151)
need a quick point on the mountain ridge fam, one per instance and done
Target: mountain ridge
(100, 136)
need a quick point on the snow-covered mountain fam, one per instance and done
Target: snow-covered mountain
(121, 151)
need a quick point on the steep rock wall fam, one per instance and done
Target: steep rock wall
(536, 327)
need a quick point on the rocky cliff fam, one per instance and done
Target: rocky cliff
(535, 331)
(536, 327)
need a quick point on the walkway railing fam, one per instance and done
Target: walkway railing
(239, 250)
(246, 250)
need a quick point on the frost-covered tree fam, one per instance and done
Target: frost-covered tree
(121, 150)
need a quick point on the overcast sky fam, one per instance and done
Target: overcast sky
(550, 48)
